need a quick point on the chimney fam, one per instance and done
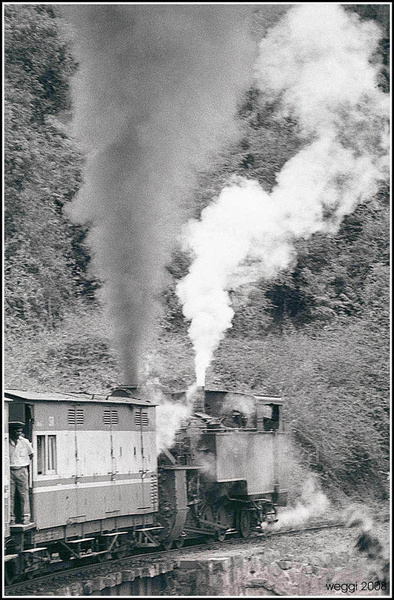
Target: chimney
(199, 399)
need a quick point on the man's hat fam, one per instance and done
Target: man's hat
(16, 425)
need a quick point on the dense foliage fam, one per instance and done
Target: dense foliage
(318, 334)
(43, 266)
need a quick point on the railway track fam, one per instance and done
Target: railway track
(60, 577)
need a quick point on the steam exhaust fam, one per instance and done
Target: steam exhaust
(318, 64)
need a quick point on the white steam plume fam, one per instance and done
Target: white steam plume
(317, 63)
(169, 413)
(313, 503)
(169, 416)
(154, 97)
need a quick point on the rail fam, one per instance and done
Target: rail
(86, 569)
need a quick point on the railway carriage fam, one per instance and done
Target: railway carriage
(93, 478)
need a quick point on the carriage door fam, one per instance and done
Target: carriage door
(75, 419)
(141, 419)
(29, 421)
(112, 498)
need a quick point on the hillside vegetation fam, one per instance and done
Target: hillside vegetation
(318, 334)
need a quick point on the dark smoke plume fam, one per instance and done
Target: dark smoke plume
(154, 97)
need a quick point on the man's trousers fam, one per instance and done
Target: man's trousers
(19, 481)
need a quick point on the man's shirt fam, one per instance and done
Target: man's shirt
(20, 452)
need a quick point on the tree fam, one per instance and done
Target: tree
(44, 261)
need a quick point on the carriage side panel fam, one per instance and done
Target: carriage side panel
(94, 461)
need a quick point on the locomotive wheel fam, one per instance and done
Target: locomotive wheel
(207, 513)
(244, 522)
(179, 543)
(221, 535)
(224, 518)
(272, 516)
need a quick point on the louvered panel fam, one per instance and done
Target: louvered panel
(75, 416)
(80, 417)
(110, 416)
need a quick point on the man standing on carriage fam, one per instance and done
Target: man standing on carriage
(21, 451)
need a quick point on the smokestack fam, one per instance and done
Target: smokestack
(199, 399)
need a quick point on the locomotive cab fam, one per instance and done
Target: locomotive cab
(263, 413)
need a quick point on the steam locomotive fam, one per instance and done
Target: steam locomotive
(98, 488)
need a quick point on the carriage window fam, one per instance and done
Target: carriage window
(271, 417)
(40, 454)
(52, 453)
(46, 454)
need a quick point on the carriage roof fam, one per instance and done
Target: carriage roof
(31, 396)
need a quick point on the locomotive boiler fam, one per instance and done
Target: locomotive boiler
(99, 490)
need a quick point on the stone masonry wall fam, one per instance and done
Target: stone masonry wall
(270, 574)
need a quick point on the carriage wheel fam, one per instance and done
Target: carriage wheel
(179, 543)
(167, 544)
(64, 553)
(29, 575)
(10, 572)
(119, 550)
(100, 558)
(28, 567)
